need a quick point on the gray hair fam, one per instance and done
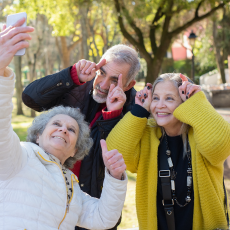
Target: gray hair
(84, 142)
(177, 81)
(124, 54)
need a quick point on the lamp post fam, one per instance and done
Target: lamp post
(192, 37)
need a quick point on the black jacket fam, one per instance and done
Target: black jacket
(59, 89)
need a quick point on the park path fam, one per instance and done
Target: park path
(225, 113)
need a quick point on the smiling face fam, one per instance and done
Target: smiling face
(60, 137)
(107, 75)
(166, 99)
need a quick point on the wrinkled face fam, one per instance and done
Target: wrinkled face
(166, 99)
(60, 137)
(107, 75)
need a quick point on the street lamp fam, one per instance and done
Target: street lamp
(192, 37)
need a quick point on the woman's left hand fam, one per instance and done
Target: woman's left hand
(187, 89)
(113, 161)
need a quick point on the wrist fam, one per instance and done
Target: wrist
(75, 76)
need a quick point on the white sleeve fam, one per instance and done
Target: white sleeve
(11, 157)
(104, 213)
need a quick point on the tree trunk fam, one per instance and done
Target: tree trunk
(218, 53)
(85, 48)
(18, 64)
(153, 70)
(65, 53)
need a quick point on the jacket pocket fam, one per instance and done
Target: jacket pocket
(51, 88)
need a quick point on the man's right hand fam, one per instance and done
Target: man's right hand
(13, 39)
(86, 70)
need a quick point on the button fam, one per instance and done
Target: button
(58, 84)
(82, 185)
(67, 83)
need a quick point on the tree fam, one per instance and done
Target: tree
(17, 65)
(153, 33)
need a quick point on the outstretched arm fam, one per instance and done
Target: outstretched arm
(104, 213)
(12, 39)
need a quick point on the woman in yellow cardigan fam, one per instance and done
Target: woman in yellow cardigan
(176, 188)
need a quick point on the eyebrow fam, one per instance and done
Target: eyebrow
(70, 125)
(113, 77)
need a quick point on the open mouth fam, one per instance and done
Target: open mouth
(60, 138)
(163, 114)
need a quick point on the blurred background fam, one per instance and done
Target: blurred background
(187, 36)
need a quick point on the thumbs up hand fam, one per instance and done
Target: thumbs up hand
(113, 161)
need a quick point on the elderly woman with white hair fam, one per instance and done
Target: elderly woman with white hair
(37, 191)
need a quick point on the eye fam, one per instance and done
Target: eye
(56, 123)
(71, 130)
(101, 72)
(155, 98)
(114, 81)
(169, 99)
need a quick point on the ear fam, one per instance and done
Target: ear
(130, 85)
(37, 140)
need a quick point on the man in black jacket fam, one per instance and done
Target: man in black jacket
(99, 97)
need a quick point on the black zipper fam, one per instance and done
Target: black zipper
(51, 88)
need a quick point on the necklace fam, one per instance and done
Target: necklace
(173, 175)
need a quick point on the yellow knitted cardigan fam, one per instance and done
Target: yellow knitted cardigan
(209, 138)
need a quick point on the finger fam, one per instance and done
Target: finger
(184, 78)
(100, 64)
(93, 72)
(120, 81)
(112, 86)
(18, 46)
(103, 146)
(92, 66)
(183, 87)
(19, 37)
(193, 89)
(82, 64)
(117, 164)
(115, 158)
(87, 65)
(19, 22)
(149, 86)
(12, 31)
(4, 27)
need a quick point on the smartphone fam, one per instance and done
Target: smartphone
(11, 20)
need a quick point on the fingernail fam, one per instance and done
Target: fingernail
(186, 97)
(145, 95)
(182, 92)
(139, 95)
(148, 87)
(143, 100)
(188, 93)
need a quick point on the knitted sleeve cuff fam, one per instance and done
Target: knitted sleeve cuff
(111, 114)
(74, 76)
(139, 111)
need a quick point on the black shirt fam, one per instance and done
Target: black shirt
(183, 216)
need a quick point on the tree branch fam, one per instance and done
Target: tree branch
(72, 46)
(195, 19)
(125, 33)
(198, 7)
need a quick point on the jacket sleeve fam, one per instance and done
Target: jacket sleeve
(211, 131)
(47, 92)
(104, 213)
(126, 138)
(12, 157)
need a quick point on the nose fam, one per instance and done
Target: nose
(105, 84)
(63, 129)
(160, 104)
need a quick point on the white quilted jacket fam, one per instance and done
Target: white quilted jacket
(33, 190)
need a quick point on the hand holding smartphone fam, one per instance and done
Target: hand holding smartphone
(11, 20)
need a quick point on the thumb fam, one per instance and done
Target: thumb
(103, 146)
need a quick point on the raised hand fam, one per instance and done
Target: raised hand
(187, 89)
(113, 161)
(86, 70)
(116, 96)
(13, 39)
(144, 97)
